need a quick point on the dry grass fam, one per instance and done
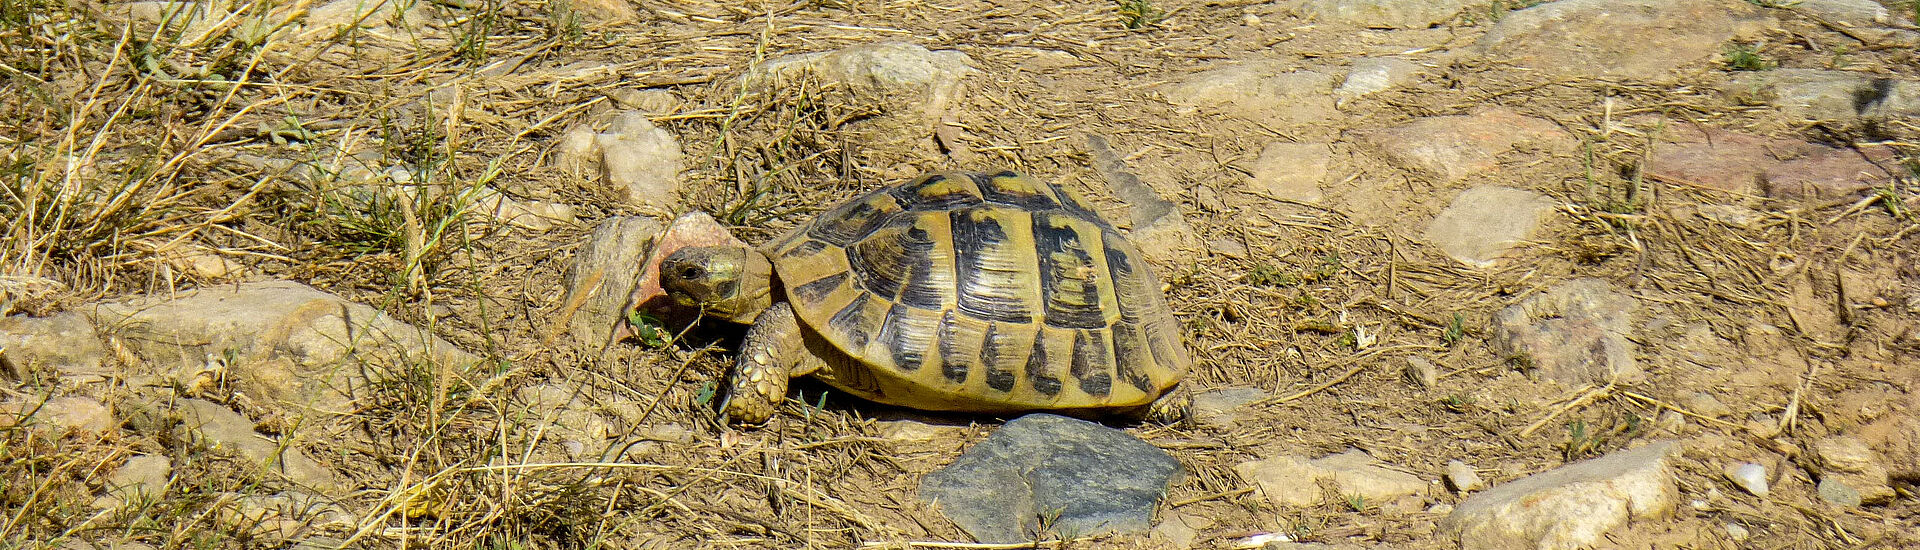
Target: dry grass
(138, 156)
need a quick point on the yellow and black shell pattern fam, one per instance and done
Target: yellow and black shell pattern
(980, 292)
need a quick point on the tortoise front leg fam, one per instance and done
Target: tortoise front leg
(773, 353)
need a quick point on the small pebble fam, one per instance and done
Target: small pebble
(1422, 371)
(1832, 490)
(1749, 476)
(1736, 532)
(1462, 477)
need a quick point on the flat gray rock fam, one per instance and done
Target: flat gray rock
(1089, 478)
(1848, 13)
(1291, 171)
(65, 343)
(1651, 40)
(909, 79)
(1483, 223)
(1376, 74)
(216, 427)
(280, 340)
(1569, 507)
(1290, 481)
(1405, 14)
(1828, 95)
(604, 274)
(1450, 148)
(1263, 91)
(1576, 332)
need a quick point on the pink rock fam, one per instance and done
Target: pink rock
(690, 229)
(1826, 173)
(1714, 159)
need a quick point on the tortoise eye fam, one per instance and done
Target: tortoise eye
(690, 272)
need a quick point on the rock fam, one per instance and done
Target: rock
(201, 262)
(1157, 227)
(1423, 372)
(285, 516)
(183, 22)
(1370, 75)
(1896, 437)
(279, 340)
(568, 421)
(65, 343)
(606, 11)
(1484, 223)
(1447, 149)
(1749, 476)
(1294, 482)
(18, 291)
(59, 416)
(1260, 91)
(216, 427)
(1847, 13)
(1737, 532)
(602, 277)
(1181, 529)
(1827, 95)
(1848, 460)
(1462, 478)
(913, 430)
(1577, 332)
(1097, 479)
(538, 216)
(1569, 507)
(1225, 408)
(1705, 404)
(908, 80)
(1291, 171)
(1835, 491)
(1824, 173)
(142, 479)
(634, 161)
(1405, 14)
(339, 15)
(1715, 159)
(652, 101)
(1649, 40)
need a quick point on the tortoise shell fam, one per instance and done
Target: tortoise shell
(980, 292)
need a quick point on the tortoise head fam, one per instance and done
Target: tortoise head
(731, 282)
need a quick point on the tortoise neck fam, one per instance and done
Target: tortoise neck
(755, 291)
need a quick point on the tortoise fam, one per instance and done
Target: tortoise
(967, 292)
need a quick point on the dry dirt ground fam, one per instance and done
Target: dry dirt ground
(1836, 281)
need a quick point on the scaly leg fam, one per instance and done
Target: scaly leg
(773, 353)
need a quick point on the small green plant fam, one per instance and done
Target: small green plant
(703, 397)
(474, 35)
(1456, 403)
(1139, 14)
(1456, 330)
(1356, 502)
(649, 329)
(1265, 274)
(1746, 57)
(1894, 201)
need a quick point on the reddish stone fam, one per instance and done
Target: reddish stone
(1826, 173)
